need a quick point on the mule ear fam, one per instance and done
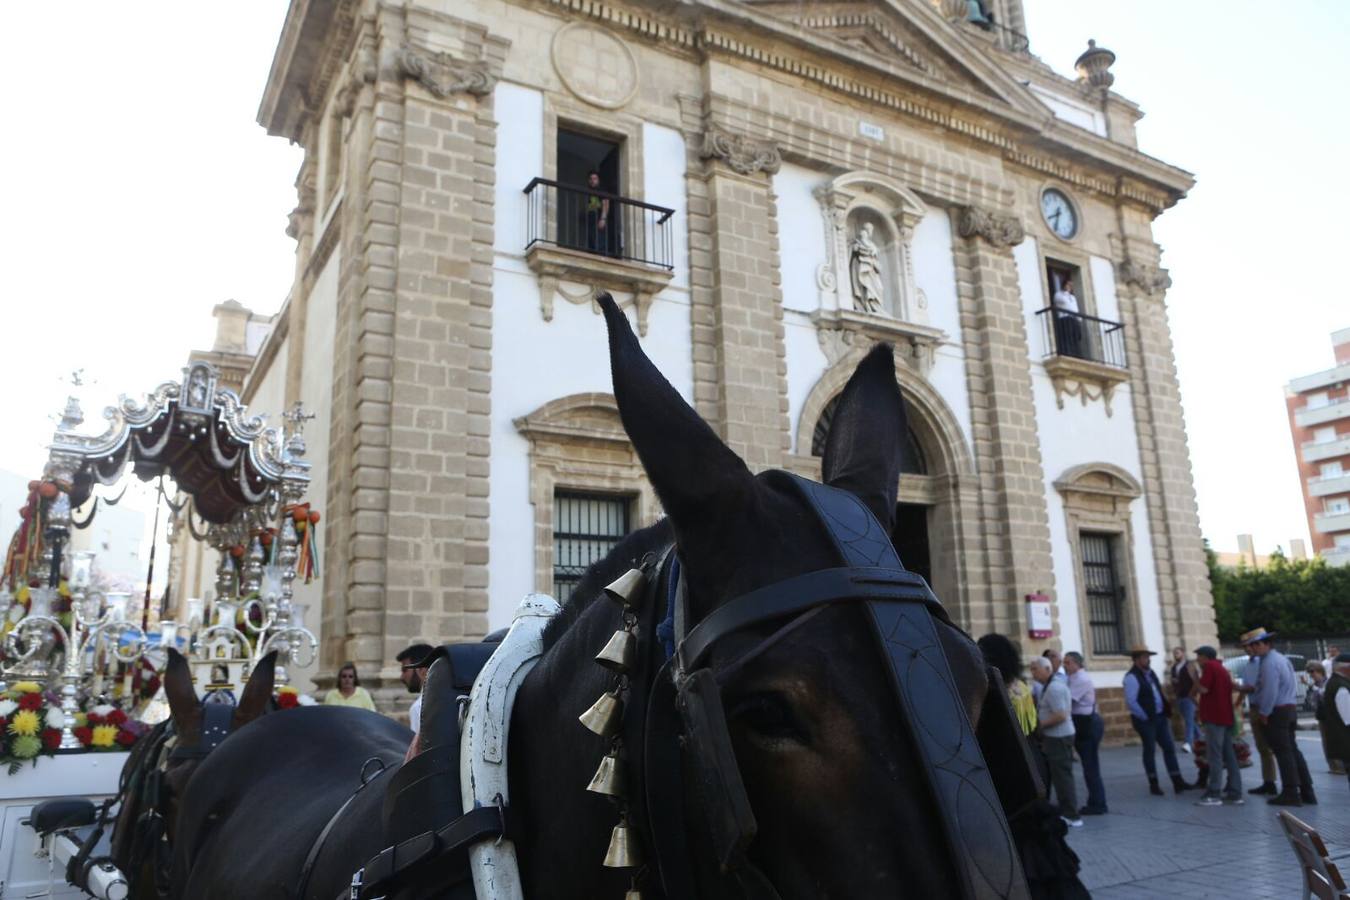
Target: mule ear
(697, 477)
(257, 696)
(184, 706)
(867, 436)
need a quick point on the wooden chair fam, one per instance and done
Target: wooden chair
(1321, 878)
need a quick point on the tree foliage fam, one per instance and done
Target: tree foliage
(1298, 598)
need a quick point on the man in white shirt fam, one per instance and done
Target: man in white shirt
(413, 677)
(1068, 328)
(1056, 727)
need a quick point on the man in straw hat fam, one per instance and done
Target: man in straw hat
(1149, 716)
(1274, 704)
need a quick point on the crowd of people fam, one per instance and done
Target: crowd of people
(1057, 710)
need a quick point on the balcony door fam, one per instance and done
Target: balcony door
(586, 220)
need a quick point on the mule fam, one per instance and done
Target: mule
(838, 790)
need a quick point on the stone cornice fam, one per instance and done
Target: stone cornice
(997, 229)
(1024, 133)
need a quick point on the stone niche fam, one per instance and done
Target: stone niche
(867, 286)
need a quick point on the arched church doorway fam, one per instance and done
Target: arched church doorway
(911, 531)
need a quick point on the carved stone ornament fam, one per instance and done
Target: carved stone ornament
(841, 331)
(1152, 280)
(442, 74)
(295, 222)
(556, 265)
(595, 64)
(741, 154)
(1088, 381)
(999, 230)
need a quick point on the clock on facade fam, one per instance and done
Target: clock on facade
(1059, 213)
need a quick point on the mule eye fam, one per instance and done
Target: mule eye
(769, 715)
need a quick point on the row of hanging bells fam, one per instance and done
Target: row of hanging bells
(605, 718)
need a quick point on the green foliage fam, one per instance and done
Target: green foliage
(1298, 598)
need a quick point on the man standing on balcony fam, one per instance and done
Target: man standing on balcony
(1068, 329)
(597, 216)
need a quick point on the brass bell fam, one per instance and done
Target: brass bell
(619, 652)
(609, 778)
(604, 716)
(624, 851)
(626, 587)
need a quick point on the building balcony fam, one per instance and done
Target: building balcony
(1336, 556)
(1331, 523)
(1309, 416)
(1320, 379)
(1084, 355)
(1316, 451)
(1330, 485)
(600, 240)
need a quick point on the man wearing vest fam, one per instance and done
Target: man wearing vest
(1274, 705)
(1150, 717)
(1335, 711)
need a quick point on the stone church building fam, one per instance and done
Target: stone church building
(768, 188)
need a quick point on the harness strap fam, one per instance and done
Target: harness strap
(307, 870)
(384, 869)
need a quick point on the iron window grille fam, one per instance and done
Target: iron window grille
(586, 526)
(1105, 593)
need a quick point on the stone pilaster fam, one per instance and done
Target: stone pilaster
(1184, 596)
(745, 324)
(412, 360)
(1014, 529)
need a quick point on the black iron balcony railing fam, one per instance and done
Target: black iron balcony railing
(595, 221)
(1083, 337)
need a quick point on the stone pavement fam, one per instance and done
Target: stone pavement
(1167, 847)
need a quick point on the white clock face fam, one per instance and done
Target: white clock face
(1059, 213)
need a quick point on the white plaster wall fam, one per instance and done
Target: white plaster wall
(1079, 434)
(1072, 111)
(801, 236)
(520, 157)
(316, 390)
(533, 361)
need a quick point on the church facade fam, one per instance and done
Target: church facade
(768, 188)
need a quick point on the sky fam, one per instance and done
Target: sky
(138, 192)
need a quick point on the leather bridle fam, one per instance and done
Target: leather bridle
(684, 710)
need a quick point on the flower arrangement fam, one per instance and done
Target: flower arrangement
(29, 726)
(105, 727)
(288, 697)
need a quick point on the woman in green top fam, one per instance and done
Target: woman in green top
(349, 691)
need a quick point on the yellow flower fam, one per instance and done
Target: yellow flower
(26, 687)
(25, 722)
(23, 594)
(104, 735)
(287, 689)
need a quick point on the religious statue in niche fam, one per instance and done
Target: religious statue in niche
(864, 269)
(197, 389)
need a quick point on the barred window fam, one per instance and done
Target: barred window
(1105, 593)
(586, 526)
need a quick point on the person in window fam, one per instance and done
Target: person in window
(597, 216)
(1068, 328)
(349, 691)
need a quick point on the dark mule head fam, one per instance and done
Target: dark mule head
(833, 778)
(155, 776)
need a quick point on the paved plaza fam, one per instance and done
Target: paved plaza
(1168, 847)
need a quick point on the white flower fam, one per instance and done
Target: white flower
(103, 709)
(306, 700)
(7, 707)
(55, 718)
